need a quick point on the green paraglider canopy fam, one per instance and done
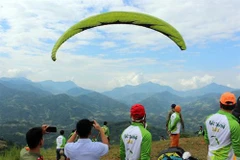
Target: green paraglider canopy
(132, 18)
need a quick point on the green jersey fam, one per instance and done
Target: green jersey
(174, 124)
(135, 143)
(60, 141)
(169, 116)
(223, 136)
(106, 130)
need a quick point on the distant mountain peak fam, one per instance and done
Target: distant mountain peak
(147, 83)
(15, 78)
(151, 83)
(215, 85)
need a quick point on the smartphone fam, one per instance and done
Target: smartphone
(51, 129)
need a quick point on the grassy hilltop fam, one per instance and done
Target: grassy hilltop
(195, 145)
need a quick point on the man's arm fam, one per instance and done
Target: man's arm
(108, 131)
(44, 128)
(122, 149)
(235, 138)
(168, 119)
(181, 120)
(206, 136)
(101, 131)
(205, 130)
(146, 147)
(73, 137)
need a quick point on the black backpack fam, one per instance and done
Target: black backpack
(173, 153)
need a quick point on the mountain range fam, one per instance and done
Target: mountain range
(25, 104)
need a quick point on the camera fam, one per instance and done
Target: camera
(51, 129)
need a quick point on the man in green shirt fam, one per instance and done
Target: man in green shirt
(61, 142)
(169, 116)
(106, 130)
(222, 132)
(200, 132)
(136, 140)
(174, 127)
(35, 141)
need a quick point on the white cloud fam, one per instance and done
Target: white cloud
(107, 44)
(238, 67)
(36, 25)
(196, 81)
(15, 72)
(127, 78)
(238, 77)
(180, 80)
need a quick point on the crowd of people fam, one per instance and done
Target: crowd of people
(221, 134)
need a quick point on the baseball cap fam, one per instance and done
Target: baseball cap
(228, 98)
(173, 105)
(137, 111)
(177, 109)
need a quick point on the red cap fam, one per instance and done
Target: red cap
(137, 111)
(228, 98)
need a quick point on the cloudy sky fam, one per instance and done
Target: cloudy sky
(106, 57)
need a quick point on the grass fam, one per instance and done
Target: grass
(10, 154)
(195, 145)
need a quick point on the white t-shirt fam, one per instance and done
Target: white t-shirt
(61, 141)
(85, 149)
(132, 139)
(219, 135)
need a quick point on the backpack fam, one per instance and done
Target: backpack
(173, 153)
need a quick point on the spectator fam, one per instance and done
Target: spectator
(236, 110)
(84, 148)
(106, 131)
(169, 116)
(94, 139)
(70, 135)
(136, 141)
(222, 130)
(174, 127)
(162, 138)
(60, 141)
(200, 132)
(35, 141)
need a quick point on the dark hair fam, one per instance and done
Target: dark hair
(227, 107)
(173, 106)
(84, 128)
(62, 132)
(105, 123)
(34, 137)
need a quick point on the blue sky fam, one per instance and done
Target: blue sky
(106, 57)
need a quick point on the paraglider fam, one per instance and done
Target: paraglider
(120, 17)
